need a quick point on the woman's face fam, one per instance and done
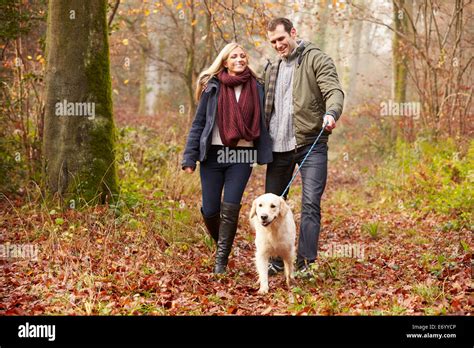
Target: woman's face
(236, 62)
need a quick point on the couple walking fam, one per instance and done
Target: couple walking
(279, 121)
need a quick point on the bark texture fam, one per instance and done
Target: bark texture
(79, 149)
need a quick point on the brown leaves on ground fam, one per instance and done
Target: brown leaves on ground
(89, 264)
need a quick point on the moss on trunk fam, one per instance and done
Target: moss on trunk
(79, 148)
(401, 25)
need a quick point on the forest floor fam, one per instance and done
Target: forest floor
(93, 262)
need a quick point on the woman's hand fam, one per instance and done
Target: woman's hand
(189, 170)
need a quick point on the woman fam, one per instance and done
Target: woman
(229, 118)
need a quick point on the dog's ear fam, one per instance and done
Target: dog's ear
(253, 211)
(283, 207)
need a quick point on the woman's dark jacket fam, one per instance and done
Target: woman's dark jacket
(200, 135)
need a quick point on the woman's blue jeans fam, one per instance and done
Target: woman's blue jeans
(219, 174)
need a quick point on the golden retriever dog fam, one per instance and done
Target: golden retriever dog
(275, 231)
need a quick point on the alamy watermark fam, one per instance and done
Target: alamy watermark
(408, 109)
(18, 251)
(228, 155)
(356, 251)
(37, 331)
(65, 108)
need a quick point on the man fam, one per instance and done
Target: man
(302, 92)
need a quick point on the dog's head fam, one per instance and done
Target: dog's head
(267, 208)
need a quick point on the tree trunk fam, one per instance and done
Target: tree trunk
(399, 69)
(353, 67)
(322, 25)
(143, 86)
(401, 10)
(79, 132)
(152, 73)
(189, 72)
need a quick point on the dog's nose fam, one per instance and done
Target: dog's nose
(264, 217)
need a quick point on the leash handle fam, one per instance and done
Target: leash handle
(304, 159)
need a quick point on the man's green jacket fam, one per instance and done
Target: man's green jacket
(316, 92)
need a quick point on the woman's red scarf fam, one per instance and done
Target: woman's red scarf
(238, 120)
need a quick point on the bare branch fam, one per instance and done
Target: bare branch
(112, 15)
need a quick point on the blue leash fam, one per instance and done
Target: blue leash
(304, 159)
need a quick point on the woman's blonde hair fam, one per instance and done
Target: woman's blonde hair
(217, 66)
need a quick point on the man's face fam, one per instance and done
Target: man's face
(281, 41)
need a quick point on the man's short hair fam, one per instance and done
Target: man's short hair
(283, 21)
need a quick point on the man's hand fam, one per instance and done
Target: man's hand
(189, 170)
(331, 122)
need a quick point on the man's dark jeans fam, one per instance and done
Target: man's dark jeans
(314, 175)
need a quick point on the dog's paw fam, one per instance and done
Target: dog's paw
(263, 290)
